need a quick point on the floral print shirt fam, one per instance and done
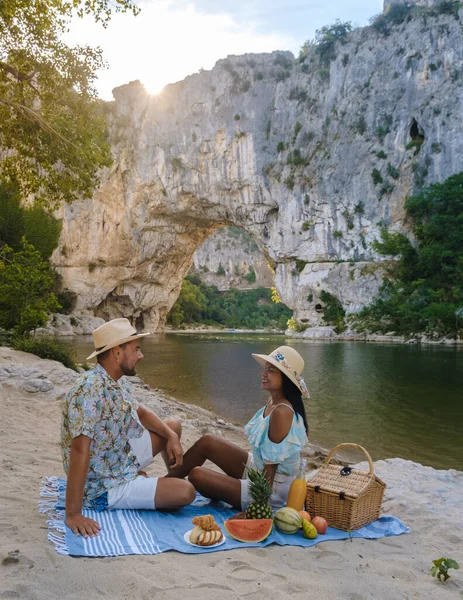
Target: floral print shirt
(103, 410)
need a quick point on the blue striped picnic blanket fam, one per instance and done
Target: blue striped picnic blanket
(151, 532)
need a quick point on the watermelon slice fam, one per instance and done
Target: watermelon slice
(249, 530)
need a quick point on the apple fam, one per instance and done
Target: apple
(304, 514)
(320, 524)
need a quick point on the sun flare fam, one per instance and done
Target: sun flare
(154, 87)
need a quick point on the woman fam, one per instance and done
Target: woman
(277, 434)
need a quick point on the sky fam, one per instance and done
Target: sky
(171, 39)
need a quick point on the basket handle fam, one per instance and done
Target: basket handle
(358, 447)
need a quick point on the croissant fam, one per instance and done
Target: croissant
(206, 522)
(208, 538)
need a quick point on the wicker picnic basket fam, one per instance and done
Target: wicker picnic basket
(347, 498)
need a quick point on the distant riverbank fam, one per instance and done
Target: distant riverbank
(72, 325)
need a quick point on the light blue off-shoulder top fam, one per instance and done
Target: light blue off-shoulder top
(286, 454)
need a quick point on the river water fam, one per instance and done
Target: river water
(395, 400)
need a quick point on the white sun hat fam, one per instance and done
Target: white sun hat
(289, 362)
(113, 333)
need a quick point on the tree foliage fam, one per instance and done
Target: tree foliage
(11, 216)
(396, 14)
(39, 228)
(334, 312)
(325, 41)
(252, 309)
(423, 292)
(26, 289)
(42, 230)
(52, 128)
(34, 223)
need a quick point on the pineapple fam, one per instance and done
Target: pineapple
(260, 490)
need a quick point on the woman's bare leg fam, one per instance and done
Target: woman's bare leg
(216, 485)
(227, 456)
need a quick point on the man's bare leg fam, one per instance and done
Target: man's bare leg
(158, 443)
(170, 493)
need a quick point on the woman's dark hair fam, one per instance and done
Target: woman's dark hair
(293, 394)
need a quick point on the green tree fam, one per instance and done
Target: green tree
(50, 118)
(42, 230)
(11, 217)
(34, 223)
(188, 305)
(325, 41)
(248, 309)
(176, 315)
(26, 284)
(423, 292)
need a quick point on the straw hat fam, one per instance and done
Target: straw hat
(289, 362)
(113, 333)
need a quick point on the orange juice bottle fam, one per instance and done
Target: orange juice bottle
(298, 489)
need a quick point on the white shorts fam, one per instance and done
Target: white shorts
(281, 485)
(140, 492)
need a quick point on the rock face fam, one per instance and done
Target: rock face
(309, 158)
(230, 259)
(69, 325)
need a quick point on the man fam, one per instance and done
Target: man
(107, 438)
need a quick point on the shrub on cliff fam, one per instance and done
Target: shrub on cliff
(397, 14)
(47, 348)
(325, 41)
(334, 312)
(423, 292)
(394, 15)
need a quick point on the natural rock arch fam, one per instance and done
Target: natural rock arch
(126, 251)
(264, 143)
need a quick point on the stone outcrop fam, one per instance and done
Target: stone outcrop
(230, 259)
(310, 158)
(69, 325)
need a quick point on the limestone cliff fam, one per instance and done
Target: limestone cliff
(309, 158)
(230, 259)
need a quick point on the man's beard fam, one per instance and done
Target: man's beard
(128, 372)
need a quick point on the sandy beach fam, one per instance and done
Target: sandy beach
(430, 502)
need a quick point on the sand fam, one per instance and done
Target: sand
(396, 568)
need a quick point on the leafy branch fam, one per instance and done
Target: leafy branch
(53, 131)
(441, 567)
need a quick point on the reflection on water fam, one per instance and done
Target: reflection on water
(396, 400)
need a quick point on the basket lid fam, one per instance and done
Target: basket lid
(336, 479)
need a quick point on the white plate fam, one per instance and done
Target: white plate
(186, 537)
